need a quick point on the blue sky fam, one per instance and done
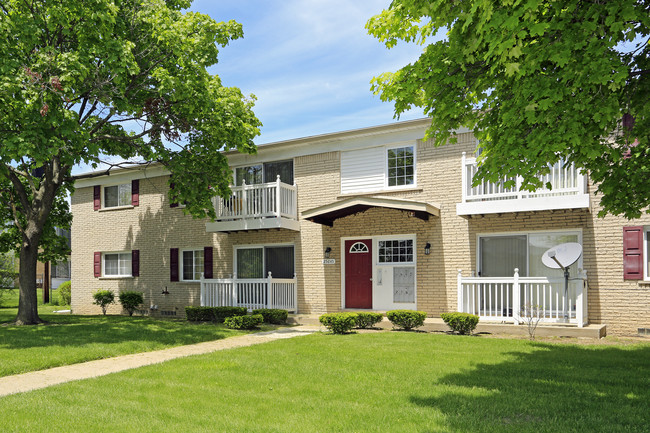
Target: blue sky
(309, 63)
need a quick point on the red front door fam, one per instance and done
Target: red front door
(358, 273)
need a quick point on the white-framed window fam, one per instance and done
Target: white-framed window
(265, 173)
(395, 251)
(499, 254)
(400, 170)
(256, 261)
(117, 195)
(646, 252)
(116, 264)
(192, 264)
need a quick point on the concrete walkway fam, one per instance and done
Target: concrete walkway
(101, 367)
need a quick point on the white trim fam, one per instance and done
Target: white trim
(102, 196)
(646, 253)
(108, 209)
(577, 231)
(414, 145)
(262, 162)
(115, 276)
(122, 176)
(181, 264)
(263, 247)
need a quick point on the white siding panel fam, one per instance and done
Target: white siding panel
(363, 170)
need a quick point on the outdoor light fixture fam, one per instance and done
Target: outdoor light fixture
(165, 291)
(427, 249)
(328, 250)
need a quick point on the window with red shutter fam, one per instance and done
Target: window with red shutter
(173, 264)
(135, 263)
(135, 192)
(97, 262)
(207, 262)
(97, 197)
(633, 253)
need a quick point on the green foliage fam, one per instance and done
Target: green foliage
(367, 319)
(244, 322)
(406, 319)
(104, 298)
(76, 78)
(274, 316)
(8, 274)
(130, 301)
(339, 323)
(212, 314)
(462, 323)
(537, 82)
(65, 293)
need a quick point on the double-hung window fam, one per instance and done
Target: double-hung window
(192, 265)
(117, 195)
(401, 166)
(117, 264)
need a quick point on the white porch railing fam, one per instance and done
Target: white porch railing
(506, 299)
(250, 293)
(273, 199)
(564, 179)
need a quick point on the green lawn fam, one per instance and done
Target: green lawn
(381, 382)
(69, 339)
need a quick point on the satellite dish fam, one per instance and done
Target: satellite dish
(562, 256)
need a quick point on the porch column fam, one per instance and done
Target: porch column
(516, 302)
(460, 284)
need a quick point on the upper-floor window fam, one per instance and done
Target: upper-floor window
(401, 166)
(117, 264)
(117, 195)
(378, 168)
(192, 265)
(264, 173)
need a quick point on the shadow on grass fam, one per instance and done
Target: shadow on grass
(558, 388)
(78, 331)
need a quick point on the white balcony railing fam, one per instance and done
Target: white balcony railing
(506, 299)
(258, 206)
(568, 190)
(250, 293)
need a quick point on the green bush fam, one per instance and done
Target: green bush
(104, 298)
(244, 322)
(213, 314)
(406, 319)
(273, 315)
(368, 319)
(462, 323)
(65, 293)
(339, 323)
(130, 301)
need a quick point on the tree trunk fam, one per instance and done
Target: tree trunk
(28, 300)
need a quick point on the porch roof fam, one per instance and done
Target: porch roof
(327, 214)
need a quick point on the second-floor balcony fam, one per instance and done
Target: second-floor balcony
(269, 205)
(568, 191)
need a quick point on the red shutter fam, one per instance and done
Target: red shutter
(207, 262)
(173, 264)
(97, 262)
(97, 197)
(135, 263)
(135, 192)
(633, 253)
(171, 203)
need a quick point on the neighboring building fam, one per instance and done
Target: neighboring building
(375, 219)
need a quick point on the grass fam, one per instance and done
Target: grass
(69, 339)
(377, 382)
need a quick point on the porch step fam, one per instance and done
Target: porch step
(436, 324)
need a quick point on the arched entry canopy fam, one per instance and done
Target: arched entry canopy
(327, 214)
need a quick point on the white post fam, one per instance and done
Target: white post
(202, 291)
(295, 293)
(244, 199)
(516, 302)
(581, 298)
(233, 293)
(278, 197)
(269, 290)
(460, 275)
(464, 182)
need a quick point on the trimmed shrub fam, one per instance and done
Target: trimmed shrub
(406, 319)
(213, 314)
(104, 298)
(65, 293)
(244, 322)
(368, 319)
(130, 301)
(462, 323)
(339, 323)
(274, 316)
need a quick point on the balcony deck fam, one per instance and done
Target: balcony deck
(272, 205)
(568, 191)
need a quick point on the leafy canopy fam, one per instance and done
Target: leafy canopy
(537, 81)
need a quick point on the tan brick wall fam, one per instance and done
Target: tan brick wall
(153, 228)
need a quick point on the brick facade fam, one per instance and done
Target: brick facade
(153, 228)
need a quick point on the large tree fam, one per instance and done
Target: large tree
(537, 80)
(85, 80)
